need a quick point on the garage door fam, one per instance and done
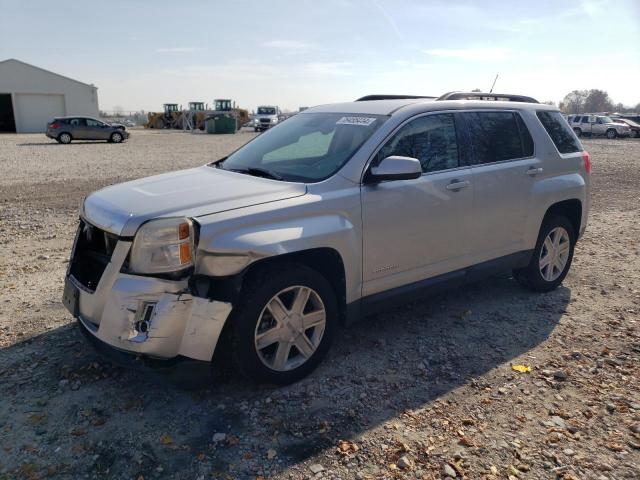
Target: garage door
(33, 111)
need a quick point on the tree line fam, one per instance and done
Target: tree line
(591, 101)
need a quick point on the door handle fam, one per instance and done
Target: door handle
(457, 185)
(533, 171)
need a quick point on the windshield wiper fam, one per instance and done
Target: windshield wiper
(258, 172)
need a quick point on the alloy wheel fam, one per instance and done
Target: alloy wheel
(554, 254)
(290, 328)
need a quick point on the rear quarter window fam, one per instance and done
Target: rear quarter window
(497, 136)
(560, 133)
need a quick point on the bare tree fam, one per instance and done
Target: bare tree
(574, 101)
(598, 101)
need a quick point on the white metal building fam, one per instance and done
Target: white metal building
(31, 96)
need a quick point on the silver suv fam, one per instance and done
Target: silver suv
(590, 125)
(331, 215)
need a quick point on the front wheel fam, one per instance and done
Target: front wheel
(552, 256)
(635, 134)
(284, 324)
(611, 134)
(116, 137)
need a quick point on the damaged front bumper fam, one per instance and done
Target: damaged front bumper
(146, 317)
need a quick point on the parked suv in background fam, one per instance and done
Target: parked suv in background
(334, 214)
(66, 129)
(599, 125)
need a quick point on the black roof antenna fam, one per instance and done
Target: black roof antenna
(494, 83)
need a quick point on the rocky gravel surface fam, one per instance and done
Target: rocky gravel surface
(489, 381)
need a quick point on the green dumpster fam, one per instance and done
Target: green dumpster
(221, 123)
(210, 125)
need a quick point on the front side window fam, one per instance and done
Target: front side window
(561, 134)
(308, 147)
(93, 123)
(431, 139)
(497, 136)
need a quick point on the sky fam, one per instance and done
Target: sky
(293, 53)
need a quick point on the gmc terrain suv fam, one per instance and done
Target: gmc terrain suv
(336, 213)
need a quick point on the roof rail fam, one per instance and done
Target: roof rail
(496, 97)
(366, 98)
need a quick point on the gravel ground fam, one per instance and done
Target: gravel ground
(425, 392)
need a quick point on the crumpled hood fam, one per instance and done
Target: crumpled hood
(122, 208)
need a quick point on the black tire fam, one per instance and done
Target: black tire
(531, 276)
(65, 138)
(578, 132)
(635, 134)
(257, 291)
(611, 134)
(116, 137)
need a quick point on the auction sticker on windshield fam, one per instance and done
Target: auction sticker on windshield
(364, 121)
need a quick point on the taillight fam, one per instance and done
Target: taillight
(54, 125)
(587, 161)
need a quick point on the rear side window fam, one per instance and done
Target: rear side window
(561, 134)
(497, 136)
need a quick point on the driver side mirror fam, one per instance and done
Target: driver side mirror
(395, 167)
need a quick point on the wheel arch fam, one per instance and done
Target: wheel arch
(571, 209)
(325, 260)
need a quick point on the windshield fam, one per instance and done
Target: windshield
(266, 111)
(606, 120)
(308, 147)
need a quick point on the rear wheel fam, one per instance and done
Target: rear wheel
(64, 138)
(552, 256)
(611, 133)
(116, 137)
(635, 133)
(284, 324)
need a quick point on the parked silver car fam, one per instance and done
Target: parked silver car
(67, 129)
(591, 125)
(336, 213)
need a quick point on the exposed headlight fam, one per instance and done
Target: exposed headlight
(274, 120)
(163, 246)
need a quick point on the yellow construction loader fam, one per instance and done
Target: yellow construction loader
(169, 118)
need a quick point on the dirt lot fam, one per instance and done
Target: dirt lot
(426, 391)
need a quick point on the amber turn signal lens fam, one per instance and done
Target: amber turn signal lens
(185, 253)
(183, 231)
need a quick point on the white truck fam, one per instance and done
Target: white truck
(266, 117)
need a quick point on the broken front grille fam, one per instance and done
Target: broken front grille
(91, 255)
